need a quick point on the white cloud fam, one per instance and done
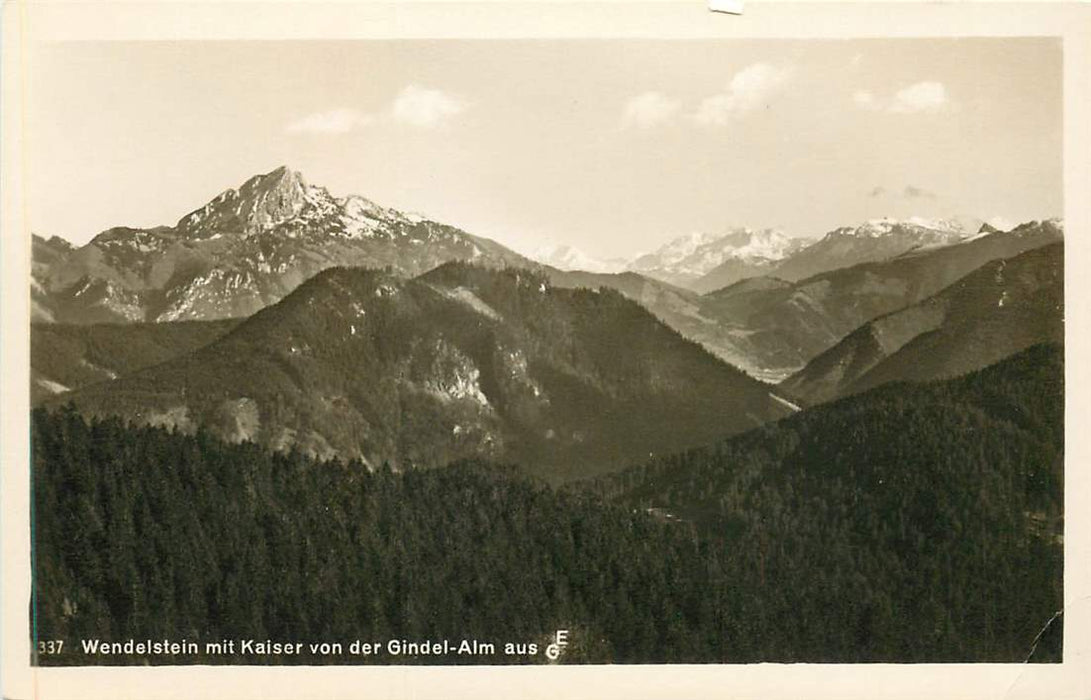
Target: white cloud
(414, 105)
(424, 107)
(927, 96)
(750, 88)
(649, 109)
(921, 97)
(335, 121)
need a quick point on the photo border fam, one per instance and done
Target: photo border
(26, 25)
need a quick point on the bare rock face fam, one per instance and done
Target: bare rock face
(261, 203)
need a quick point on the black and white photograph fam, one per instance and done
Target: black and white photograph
(473, 351)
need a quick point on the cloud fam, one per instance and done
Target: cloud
(911, 192)
(649, 109)
(927, 96)
(335, 121)
(921, 97)
(908, 192)
(425, 107)
(414, 105)
(1000, 223)
(749, 89)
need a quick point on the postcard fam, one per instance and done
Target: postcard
(545, 350)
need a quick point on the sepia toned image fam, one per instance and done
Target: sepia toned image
(612, 351)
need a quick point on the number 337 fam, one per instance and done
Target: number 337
(51, 647)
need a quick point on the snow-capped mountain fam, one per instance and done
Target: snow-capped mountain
(772, 326)
(686, 259)
(870, 241)
(945, 230)
(283, 199)
(566, 257)
(242, 251)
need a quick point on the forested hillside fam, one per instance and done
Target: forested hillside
(915, 522)
(997, 310)
(162, 535)
(69, 356)
(911, 523)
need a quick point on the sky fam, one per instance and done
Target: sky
(613, 146)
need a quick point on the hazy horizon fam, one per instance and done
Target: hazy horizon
(611, 146)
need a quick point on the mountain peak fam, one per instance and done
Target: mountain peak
(281, 177)
(260, 203)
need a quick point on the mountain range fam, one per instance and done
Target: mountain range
(240, 252)
(279, 313)
(773, 326)
(740, 448)
(249, 247)
(705, 262)
(461, 361)
(689, 260)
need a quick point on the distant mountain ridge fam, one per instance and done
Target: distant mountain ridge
(686, 259)
(872, 241)
(570, 259)
(772, 327)
(705, 262)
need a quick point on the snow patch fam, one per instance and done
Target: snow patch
(785, 402)
(96, 368)
(51, 386)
